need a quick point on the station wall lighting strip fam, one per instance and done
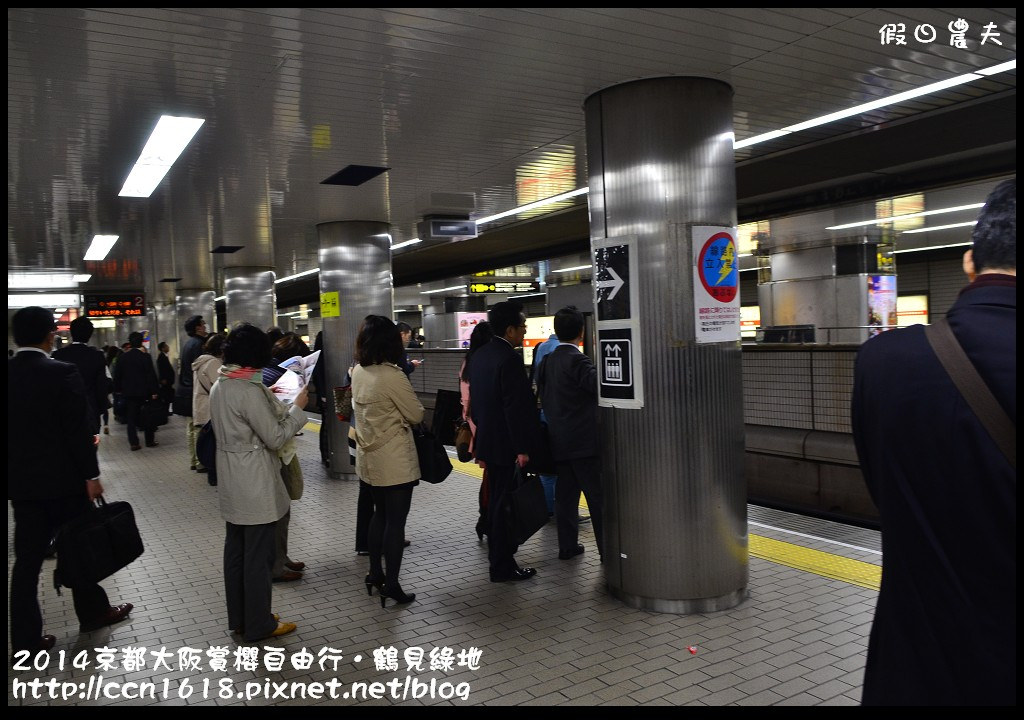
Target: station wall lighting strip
(880, 103)
(932, 247)
(894, 218)
(453, 287)
(406, 243)
(534, 205)
(40, 281)
(570, 269)
(939, 227)
(100, 246)
(167, 141)
(296, 275)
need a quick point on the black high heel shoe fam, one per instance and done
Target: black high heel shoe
(396, 594)
(371, 584)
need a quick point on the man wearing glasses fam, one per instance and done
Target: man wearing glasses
(196, 330)
(507, 427)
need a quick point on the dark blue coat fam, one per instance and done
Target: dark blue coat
(503, 405)
(567, 386)
(945, 628)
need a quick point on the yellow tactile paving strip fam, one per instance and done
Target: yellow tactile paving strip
(817, 562)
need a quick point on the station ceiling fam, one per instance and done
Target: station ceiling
(478, 108)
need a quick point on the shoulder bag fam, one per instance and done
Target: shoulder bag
(435, 465)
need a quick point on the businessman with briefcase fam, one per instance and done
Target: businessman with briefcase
(52, 475)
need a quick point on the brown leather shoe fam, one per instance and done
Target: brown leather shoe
(114, 614)
(296, 566)
(288, 576)
(136, 447)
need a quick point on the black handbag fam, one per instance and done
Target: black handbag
(526, 507)
(206, 451)
(463, 438)
(435, 465)
(96, 544)
(153, 414)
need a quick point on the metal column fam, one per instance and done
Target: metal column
(660, 157)
(250, 296)
(355, 281)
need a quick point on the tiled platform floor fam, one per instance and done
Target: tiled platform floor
(560, 639)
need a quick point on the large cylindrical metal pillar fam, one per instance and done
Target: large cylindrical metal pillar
(661, 167)
(250, 296)
(355, 281)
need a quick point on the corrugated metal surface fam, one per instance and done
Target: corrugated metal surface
(676, 527)
(250, 296)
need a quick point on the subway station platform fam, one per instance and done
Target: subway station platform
(559, 639)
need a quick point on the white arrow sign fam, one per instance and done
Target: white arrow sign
(612, 350)
(615, 283)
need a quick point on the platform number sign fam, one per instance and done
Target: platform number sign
(617, 305)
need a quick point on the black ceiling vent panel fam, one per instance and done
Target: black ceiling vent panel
(227, 248)
(354, 175)
(170, 279)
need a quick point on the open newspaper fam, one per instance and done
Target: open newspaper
(300, 370)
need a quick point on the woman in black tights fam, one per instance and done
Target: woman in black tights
(385, 406)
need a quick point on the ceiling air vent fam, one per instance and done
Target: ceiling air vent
(227, 248)
(170, 279)
(354, 175)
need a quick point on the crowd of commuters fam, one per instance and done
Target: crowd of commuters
(955, 480)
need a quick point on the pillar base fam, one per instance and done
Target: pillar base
(682, 607)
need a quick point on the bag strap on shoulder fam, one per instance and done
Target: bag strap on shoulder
(973, 389)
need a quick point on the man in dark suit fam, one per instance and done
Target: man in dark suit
(135, 379)
(567, 385)
(945, 626)
(507, 427)
(52, 474)
(92, 366)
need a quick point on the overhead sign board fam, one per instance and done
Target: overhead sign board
(617, 305)
(716, 284)
(503, 286)
(115, 306)
(453, 228)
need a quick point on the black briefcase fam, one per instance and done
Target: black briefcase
(96, 544)
(527, 508)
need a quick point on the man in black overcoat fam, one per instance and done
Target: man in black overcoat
(52, 474)
(135, 379)
(567, 386)
(92, 366)
(507, 427)
(945, 628)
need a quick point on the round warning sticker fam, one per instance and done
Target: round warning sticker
(718, 269)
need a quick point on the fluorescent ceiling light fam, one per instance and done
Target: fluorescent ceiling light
(453, 287)
(513, 297)
(168, 140)
(100, 246)
(894, 218)
(60, 310)
(46, 300)
(81, 278)
(1002, 67)
(406, 243)
(880, 103)
(749, 269)
(932, 247)
(534, 205)
(570, 269)
(32, 280)
(940, 227)
(297, 275)
(222, 297)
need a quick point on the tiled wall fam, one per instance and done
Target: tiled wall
(803, 389)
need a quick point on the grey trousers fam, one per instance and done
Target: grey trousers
(248, 559)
